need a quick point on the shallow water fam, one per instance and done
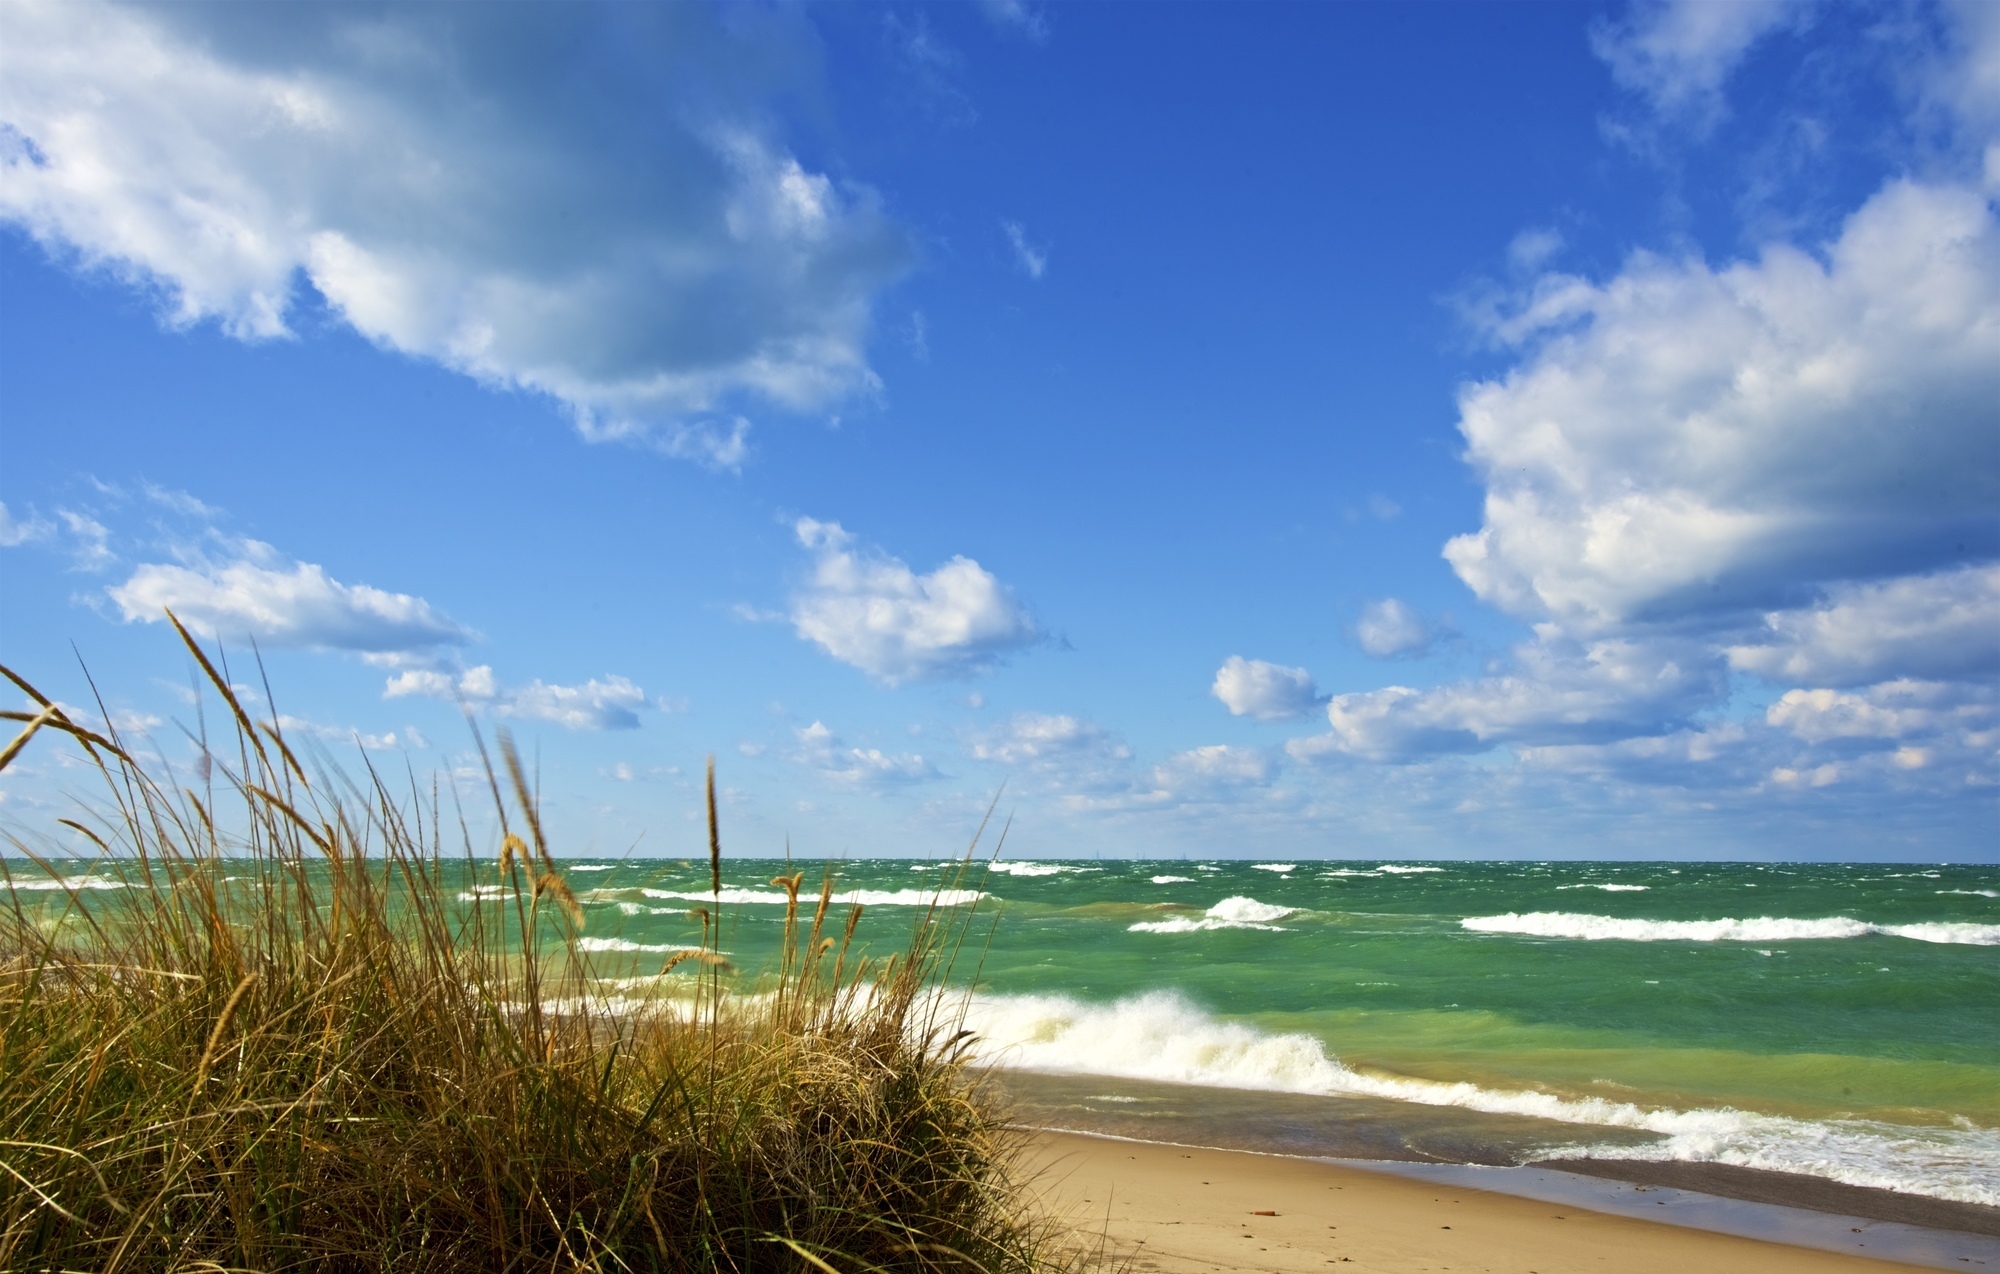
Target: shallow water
(1838, 1021)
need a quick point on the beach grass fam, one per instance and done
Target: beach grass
(288, 1034)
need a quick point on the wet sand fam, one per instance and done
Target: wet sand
(1178, 1210)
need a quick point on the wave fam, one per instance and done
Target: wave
(1172, 880)
(1162, 1036)
(1277, 867)
(1398, 869)
(1614, 889)
(79, 882)
(620, 944)
(866, 897)
(1230, 913)
(594, 867)
(1569, 924)
(1031, 869)
(1976, 893)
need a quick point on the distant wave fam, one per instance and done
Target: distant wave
(1032, 869)
(1976, 893)
(1277, 867)
(867, 897)
(1230, 913)
(1569, 924)
(1398, 869)
(1162, 1036)
(620, 944)
(1172, 880)
(74, 882)
(1615, 889)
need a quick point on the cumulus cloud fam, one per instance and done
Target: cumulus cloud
(1892, 710)
(1216, 768)
(645, 252)
(1390, 627)
(1044, 739)
(258, 593)
(1679, 53)
(1945, 625)
(820, 749)
(872, 611)
(1687, 439)
(1266, 691)
(610, 704)
(1559, 691)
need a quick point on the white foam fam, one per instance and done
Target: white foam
(866, 897)
(75, 882)
(1569, 924)
(485, 893)
(1277, 867)
(1172, 880)
(1397, 869)
(1161, 1036)
(1230, 913)
(1976, 893)
(1613, 889)
(1027, 869)
(620, 944)
(594, 867)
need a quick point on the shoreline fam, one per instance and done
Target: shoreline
(1175, 1209)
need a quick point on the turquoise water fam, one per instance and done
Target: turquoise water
(1842, 1021)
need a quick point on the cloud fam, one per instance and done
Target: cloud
(1212, 770)
(1892, 710)
(1683, 440)
(646, 253)
(257, 593)
(1945, 625)
(1559, 691)
(610, 704)
(872, 611)
(14, 532)
(1033, 261)
(90, 540)
(1266, 691)
(1389, 628)
(1044, 739)
(1678, 53)
(1017, 15)
(820, 749)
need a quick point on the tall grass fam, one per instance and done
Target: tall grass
(286, 1043)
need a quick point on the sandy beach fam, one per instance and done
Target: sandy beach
(1180, 1209)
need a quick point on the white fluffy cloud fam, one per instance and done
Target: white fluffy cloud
(1559, 691)
(1892, 710)
(258, 593)
(611, 704)
(1687, 439)
(1266, 691)
(819, 748)
(1679, 53)
(1390, 627)
(872, 611)
(1926, 626)
(1046, 739)
(644, 254)
(1216, 768)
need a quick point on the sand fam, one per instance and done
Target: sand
(1177, 1210)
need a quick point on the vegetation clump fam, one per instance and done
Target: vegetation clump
(296, 1037)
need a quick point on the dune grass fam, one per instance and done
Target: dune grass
(286, 1043)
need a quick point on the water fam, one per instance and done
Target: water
(1839, 1021)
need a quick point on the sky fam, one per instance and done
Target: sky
(1281, 431)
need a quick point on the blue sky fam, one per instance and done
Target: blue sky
(1282, 430)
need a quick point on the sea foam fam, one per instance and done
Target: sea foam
(1230, 913)
(1569, 924)
(867, 897)
(1162, 1036)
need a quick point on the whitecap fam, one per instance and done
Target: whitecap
(1614, 889)
(1028, 869)
(1566, 924)
(78, 882)
(1162, 1036)
(1398, 869)
(593, 867)
(1172, 880)
(1976, 893)
(1230, 913)
(1277, 867)
(867, 897)
(620, 944)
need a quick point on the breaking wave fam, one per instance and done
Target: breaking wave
(1230, 913)
(1569, 924)
(866, 897)
(1162, 1036)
